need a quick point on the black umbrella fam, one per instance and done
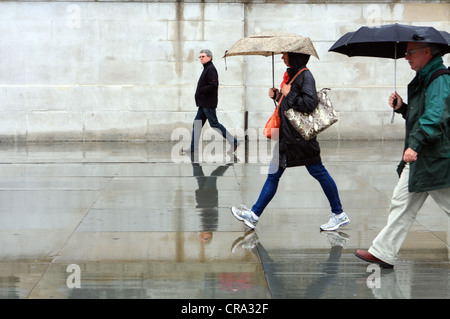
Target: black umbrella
(389, 41)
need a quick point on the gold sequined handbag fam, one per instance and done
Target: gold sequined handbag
(311, 124)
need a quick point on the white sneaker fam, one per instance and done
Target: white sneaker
(245, 215)
(336, 221)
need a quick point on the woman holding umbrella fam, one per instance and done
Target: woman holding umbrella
(291, 149)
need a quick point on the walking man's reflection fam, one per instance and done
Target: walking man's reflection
(207, 199)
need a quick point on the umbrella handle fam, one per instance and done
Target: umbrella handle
(394, 103)
(273, 77)
(273, 72)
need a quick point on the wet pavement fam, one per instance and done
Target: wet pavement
(137, 220)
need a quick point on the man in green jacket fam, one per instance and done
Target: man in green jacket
(425, 167)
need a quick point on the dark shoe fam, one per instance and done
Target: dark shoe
(366, 256)
(236, 145)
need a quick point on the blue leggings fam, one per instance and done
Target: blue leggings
(318, 171)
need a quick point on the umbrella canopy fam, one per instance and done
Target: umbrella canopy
(272, 42)
(389, 41)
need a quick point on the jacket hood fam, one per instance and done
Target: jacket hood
(298, 60)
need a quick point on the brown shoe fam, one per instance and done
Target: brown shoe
(366, 256)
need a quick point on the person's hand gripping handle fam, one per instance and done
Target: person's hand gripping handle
(395, 101)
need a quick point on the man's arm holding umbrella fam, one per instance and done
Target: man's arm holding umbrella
(430, 123)
(410, 155)
(400, 107)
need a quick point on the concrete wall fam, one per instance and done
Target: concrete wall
(127, 70)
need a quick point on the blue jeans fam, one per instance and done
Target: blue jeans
(318, 171)
(203, 114)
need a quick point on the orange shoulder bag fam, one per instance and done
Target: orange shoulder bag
(271, 130)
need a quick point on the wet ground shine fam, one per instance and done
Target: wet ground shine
(128, 220)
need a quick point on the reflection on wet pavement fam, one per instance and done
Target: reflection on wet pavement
(126, 220)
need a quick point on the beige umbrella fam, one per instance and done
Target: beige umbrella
(270, 43)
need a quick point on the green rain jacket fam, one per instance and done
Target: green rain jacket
(427, 116)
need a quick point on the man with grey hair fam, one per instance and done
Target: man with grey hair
(425, 168)
(206, 99)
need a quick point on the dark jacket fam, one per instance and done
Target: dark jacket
(293, 149)
(427, 117)
(207, 87)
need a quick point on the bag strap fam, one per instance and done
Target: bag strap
(437, 74)
(297, 74)
(281, 98)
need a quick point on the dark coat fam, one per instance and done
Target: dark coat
(207, 87)
(293, 149)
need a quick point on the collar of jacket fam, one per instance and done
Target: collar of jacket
(293, 71)
(427, 70)
(207, 64)
(423, 75)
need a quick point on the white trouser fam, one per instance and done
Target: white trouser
(403, 212)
